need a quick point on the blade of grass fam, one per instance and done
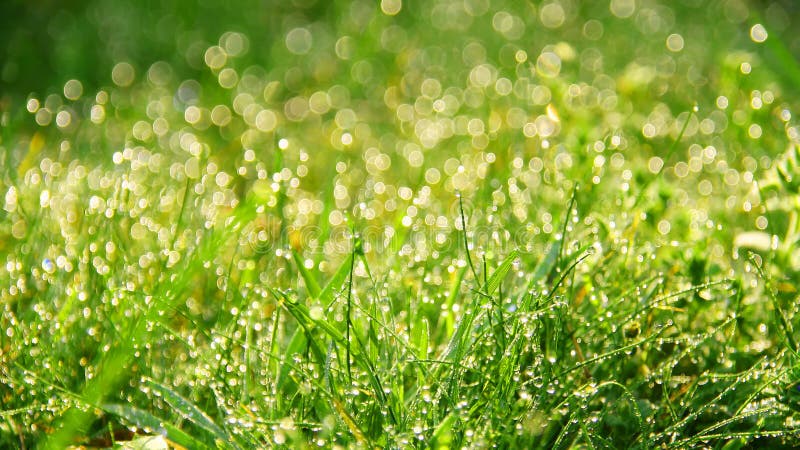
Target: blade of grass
(466, 243)
(780, 317)
(502, 270)
(145, 420)
(189, 411)
(308, 278)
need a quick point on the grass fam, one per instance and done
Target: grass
(478, 226)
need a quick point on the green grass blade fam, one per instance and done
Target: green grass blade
(420, 334)
(308, 278)
(452, 295)
(144, 419)
(497, 276)
(326, 295)
(443, 435)
(188, 410)
(545, 266)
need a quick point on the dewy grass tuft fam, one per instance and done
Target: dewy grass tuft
(400, 224)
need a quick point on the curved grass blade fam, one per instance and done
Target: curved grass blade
(144, 419)
(497, 276)
(337, 280)
(189, 410)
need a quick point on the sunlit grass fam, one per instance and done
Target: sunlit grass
(453, 224)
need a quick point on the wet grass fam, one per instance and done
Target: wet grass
(452, 226)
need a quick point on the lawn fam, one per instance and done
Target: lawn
(399, 224)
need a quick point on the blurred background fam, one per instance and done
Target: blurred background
(44, 43)
(392, 96)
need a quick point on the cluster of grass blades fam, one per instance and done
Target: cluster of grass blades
(369, 232)
(552, 352)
